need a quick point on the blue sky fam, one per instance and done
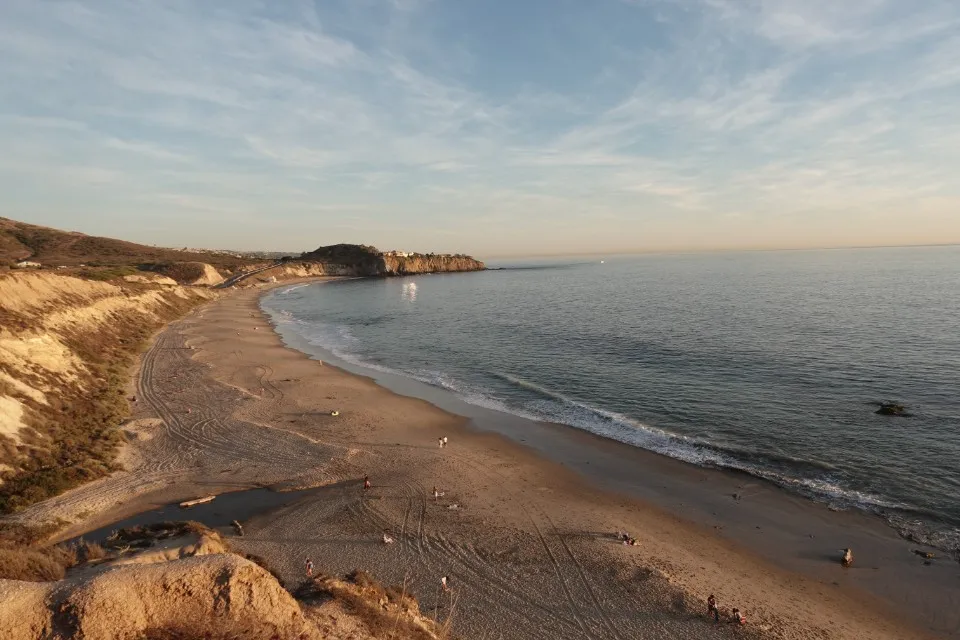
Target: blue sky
(496, 127)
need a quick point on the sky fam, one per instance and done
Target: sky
(491, 127)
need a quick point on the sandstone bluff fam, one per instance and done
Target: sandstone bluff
(361, 260)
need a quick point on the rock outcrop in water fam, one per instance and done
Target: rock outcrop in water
(361, 260)
(892, 409)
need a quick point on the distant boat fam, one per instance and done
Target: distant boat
(601, 262)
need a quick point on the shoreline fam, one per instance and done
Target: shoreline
(921, 525)
(530, 538)
(493, 419)
(782, 527)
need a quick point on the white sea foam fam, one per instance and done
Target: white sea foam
(293, 288)
(619, 427)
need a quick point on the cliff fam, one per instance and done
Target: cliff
(419, 263)
(66, 348)
(361, 260)
(181, 580)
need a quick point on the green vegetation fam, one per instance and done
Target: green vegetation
(345, 254)
(110, 273)
(179, 271)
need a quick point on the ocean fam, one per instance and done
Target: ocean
(771, 363)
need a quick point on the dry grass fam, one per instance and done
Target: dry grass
(54, 247)
(44, 565)
(213, 629)
(25, 535)
(89, 551)
(389, 613)
(79, 425)
(24, 557)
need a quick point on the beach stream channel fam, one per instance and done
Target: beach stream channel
(218, 514)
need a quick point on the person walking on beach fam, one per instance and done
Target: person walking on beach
(445, 441)
(366, 483)
(712, 609)
(309, 568)
(847, 558)
(445, 583)
(440, 442)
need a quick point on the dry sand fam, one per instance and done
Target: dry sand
(530, 551)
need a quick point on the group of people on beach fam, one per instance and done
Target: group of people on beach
(627, 539)
(386, 537)
(713, 610)
(736, 616)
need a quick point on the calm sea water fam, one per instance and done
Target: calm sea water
(770, 363)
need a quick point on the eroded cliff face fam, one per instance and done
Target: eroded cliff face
(66, 347)
(401, 266)
(383, 266)
(315, 269)
(182, 580)
(363, 260)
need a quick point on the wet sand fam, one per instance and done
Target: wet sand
(529, 548)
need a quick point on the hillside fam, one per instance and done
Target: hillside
(66, 348)
(54, 248)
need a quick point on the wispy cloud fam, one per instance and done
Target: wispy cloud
(462, 120)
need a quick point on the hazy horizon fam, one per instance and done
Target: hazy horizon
(492, 128)
(589, 254)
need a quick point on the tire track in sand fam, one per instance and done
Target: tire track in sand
(605, 619)
(527, 504)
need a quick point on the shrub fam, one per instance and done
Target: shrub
(89, 551)
(21, 562)
(103, 275)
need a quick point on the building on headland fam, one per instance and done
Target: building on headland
(398, 254)
(26, 264)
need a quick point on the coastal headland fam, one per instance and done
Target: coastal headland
(528, 543)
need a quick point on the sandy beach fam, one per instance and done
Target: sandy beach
(525, 531)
